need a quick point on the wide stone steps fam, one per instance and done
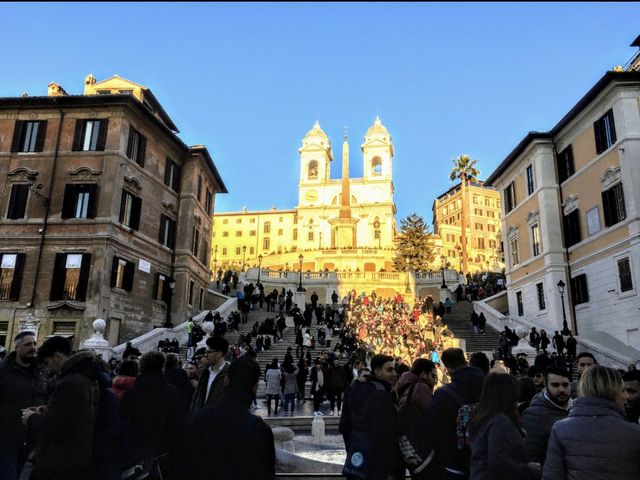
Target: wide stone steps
(459, 322)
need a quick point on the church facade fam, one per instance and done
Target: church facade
(339, 224)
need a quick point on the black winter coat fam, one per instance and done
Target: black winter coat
(370, 409)
(593, 443)
(154, 414)
(19, 388)
(224, 441)
(65, 433)
(179, 379)
(537, 421)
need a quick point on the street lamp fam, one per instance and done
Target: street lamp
(244, 250)
(300, 289)
(443, 259)
(565, 327)
(406, 275)
(171, 283)
(259, 268)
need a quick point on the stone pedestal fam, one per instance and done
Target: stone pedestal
(300, 298)
(97, 342)
(317, 429)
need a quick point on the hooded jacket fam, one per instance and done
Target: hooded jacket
(65, 432)
(421, 395)
(537, 421)
(593, 443)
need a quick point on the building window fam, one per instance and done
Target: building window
(192, 286)
(204, 259)
(487, 202)
(199, 188)
(28, 136)
(201, 300)
(605, 132)
(478, 211)
(479, 226)
(624, 273)
(224, 251)
(4, 331)
(252, 220)
(238, 233)
(313, 169)
(79, 201)
(238, 250)
(541, 302)
(565, 164)
(310, 236)
(267, 227)
(491, 228)
(520, 304)
(161, 290)
(376, 166)
(535, 240)
(18, 201)
(172, 173)
(492, 244)
(252, 233)
(475, 200)
(376, 234)
(491, 214)
(130, 208)
(90, 135)
(167, 233)
(509, 197)
(136, 147)
(208, 202)
(295, 234)
(613, 205)
(70, 276)
(252, 251)
(572, 234)
(225, 221)
(579, 290)
(530, 183)
(195, 241)
(238, 221)
(480, 241)
(295, 219)
(122, 272)
(225, 234)
(11, 268)
(266, 244)
(280, 232)
(515, 255)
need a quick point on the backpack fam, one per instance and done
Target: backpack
(414, 446)
(463, 417)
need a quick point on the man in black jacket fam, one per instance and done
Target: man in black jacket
(224, 441)
(441, 417)
(212, 380)
(545, 410)
(369, 425)
(22, 385)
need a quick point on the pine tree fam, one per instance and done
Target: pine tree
(413, 245)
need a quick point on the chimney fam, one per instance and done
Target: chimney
(56, 90)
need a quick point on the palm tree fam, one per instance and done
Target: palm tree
(464, 170)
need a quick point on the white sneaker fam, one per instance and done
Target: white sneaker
(332, 413)
(339, 412)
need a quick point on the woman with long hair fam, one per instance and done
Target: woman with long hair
(595, 441)
(497, 443)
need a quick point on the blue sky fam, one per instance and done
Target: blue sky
(249, 80)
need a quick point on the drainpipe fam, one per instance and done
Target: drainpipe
(47, 202)
(572, 308)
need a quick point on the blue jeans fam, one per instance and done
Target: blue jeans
(289, 398)
(12, 458)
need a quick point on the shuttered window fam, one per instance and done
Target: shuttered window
(613, 205)
(11, 268)
(18, 201)
(572, 232)
(604, 130)
(70, 276)
(565, 164)
(136, 147)
(90, 135)
(28, 136)
(80, 201)
(130, 208)
(122, 272)
(167, 231)
(579, 290)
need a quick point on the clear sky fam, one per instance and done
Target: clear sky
(248, 80)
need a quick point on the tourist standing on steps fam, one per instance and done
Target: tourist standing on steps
(317, 386)
(290, 387)
(301, 377)
(273, 378)
(335, 383)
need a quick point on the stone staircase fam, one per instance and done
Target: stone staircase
(459, 322)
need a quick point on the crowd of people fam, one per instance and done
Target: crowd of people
(404, 405)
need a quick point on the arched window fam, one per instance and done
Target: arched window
(313, 169)
(376, 166)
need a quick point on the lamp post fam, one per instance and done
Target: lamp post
(259, 266)
(443, 259)
(565, 327)
(171, 283)
(244, 250)
(300, 289)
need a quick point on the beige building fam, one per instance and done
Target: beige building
(104, 213)
(572, 217)
(482, 207)
(344, 224)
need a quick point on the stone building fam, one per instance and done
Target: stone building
(483, 226)
(571, 218)
(104, 212)
(344, 224)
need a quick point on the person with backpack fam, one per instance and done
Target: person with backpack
(497, 440)
(415, 390)
(449, 413)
